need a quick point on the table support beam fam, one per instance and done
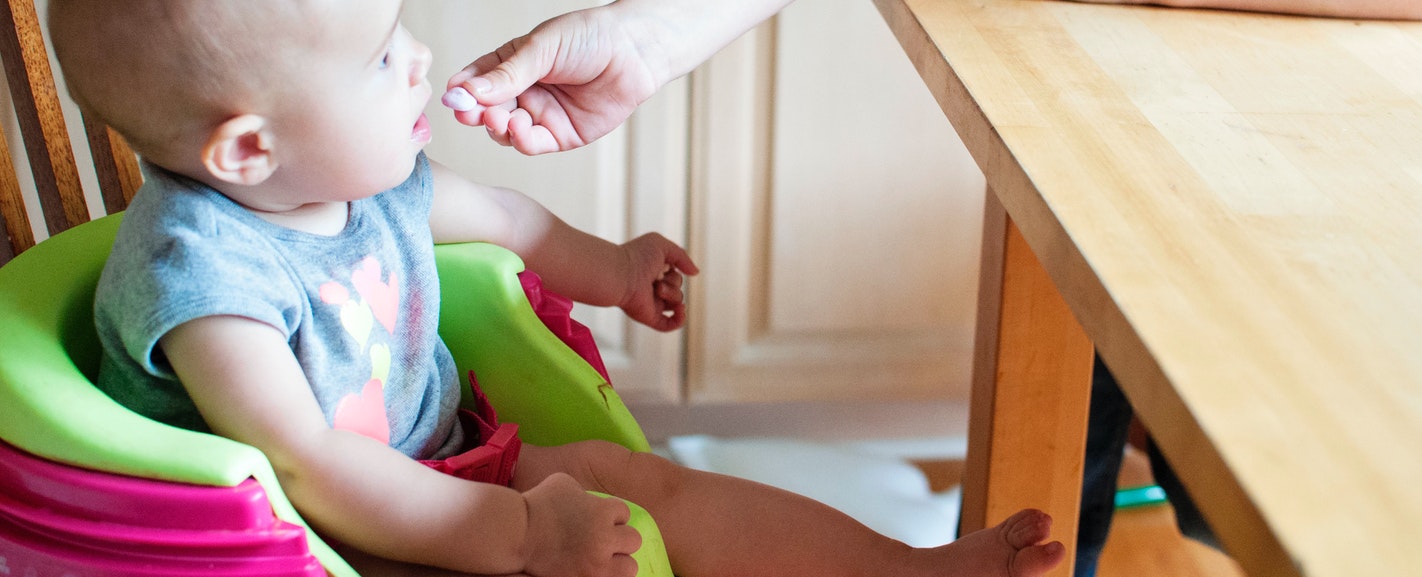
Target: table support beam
(1031, 391)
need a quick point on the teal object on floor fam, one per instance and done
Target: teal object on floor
(1140, 497)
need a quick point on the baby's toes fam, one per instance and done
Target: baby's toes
(1026, 528)
(1037, 559)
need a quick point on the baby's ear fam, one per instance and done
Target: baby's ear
(240, 151)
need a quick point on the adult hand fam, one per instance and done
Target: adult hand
(565, 84)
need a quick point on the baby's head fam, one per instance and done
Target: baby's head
(247, 92)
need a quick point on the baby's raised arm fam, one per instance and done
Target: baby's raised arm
(248, 386)
(642, 276)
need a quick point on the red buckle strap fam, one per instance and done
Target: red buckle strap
(496, 454)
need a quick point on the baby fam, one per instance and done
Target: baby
(282, 142)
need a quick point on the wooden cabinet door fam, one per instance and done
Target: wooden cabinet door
(834, 214)
(630, 182)
(836, 218)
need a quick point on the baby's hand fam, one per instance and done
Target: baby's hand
(577, 534)
(654, 297)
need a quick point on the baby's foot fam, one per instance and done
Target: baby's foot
(1013, 548)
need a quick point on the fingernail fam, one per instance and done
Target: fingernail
(481, 85)
(459, 99)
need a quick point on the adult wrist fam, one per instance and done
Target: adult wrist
(653, 29)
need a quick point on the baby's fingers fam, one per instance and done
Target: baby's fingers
(628, 541)
(672, 277)
(671, 318)
(681, 261)
(615, 511)
(622, 539)
(623, 566)
(669, 291)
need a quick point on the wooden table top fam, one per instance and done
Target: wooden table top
(1231, 204)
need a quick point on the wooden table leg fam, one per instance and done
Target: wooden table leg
(1031, 391)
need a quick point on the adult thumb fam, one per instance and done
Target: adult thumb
(503, 74)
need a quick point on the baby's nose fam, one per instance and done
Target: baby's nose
(421, 66)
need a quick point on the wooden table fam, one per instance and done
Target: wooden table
(1231, 207)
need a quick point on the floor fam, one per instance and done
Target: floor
(1143, 541)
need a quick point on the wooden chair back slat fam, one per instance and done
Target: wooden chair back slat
(47, 144)
(14, 223)
(115, 165)
(41, 120)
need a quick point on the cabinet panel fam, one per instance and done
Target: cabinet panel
(629, 182)
(836, 217)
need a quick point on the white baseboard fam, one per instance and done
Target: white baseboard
(823, 421)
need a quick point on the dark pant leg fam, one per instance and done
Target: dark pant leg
(1107, 429)
(1192, 524)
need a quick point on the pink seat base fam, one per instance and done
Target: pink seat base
(55, 518)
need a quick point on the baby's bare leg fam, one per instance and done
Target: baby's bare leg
(367, 564)
(718, 525)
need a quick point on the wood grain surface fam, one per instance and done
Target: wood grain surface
(1231, 205)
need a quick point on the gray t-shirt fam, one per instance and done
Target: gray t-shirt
(359, 309)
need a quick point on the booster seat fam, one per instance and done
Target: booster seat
(91, 488)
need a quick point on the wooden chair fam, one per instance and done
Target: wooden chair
(47, 143)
